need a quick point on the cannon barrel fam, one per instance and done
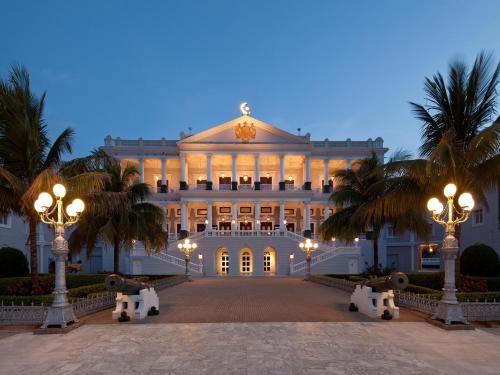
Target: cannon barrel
(117, 283)
(397, 280)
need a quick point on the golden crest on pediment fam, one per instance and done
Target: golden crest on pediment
(245, 131)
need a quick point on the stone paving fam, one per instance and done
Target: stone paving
(254, 348)
(252, 299)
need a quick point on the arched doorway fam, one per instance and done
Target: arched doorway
(269, 260)
(246, 261)
(222, 261)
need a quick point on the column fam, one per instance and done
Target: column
(257, 172)
(184, 217)
(234, 221)
(326, 186)
(165, 215)
(141, 170)
(282, 172)
(182, 180)
(209, 171)
(257, 215)
(209, 216)
(163, 187)
(307, 184)
(348, 164)
(234, 181)
(282, 216)
(307, 229)
(327, 211)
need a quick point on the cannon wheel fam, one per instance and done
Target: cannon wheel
(123, 317)
(153, 311)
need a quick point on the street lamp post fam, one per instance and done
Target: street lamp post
(449, 310)
(200, 258)
(187, 247)
(61, 312)
(308, 247)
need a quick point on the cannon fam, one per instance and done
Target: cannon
(375, 297)
(134, 299)
(119, 284)
(395, 281)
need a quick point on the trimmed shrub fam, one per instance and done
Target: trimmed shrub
(479, 260)
(13, 263)
(419, 289)
(432, 280)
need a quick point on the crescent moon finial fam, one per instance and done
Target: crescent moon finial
(245, 109)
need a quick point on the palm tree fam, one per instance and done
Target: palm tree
(29, 162)
(459, 142)
(117, 215)
(364, 202)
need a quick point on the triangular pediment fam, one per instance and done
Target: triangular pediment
(244, 129)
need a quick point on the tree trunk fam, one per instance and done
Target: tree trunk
(375, 254)
(33, 252)
(116, 255)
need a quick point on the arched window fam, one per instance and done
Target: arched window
(246, 260)
(267, 261)
(224, 259)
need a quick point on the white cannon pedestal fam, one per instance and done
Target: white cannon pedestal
(136, 306)
(372, 303)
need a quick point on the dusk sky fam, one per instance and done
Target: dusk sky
(154, 68)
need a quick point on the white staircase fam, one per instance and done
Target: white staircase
(324, 252)
(327, 255)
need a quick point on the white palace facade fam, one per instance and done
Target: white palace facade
(247, 193)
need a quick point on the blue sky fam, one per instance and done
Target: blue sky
(153, 68)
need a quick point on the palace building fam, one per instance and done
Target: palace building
(247, 193)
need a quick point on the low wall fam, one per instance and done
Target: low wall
(35, 315)
(473, 311)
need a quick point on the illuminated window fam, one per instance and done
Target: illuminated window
(224, 262)
(245, 262)
(267, 261)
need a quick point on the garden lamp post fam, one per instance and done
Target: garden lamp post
(308, 247)
(200, 258)
(449, 310)
(187, 247)
(61, 313)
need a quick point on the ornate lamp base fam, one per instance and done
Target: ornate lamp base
(60, 316)
(449, 313)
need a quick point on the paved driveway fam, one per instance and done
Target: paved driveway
(252, 299)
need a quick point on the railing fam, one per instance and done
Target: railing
(244, 233)
(423, 304)
(200, 187)
(223, 187)
(245, 187)
(36, 314)
(267, 187)
(180, 262)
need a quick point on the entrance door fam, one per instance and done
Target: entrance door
(224, 265)
(266, 225)
(200, 227)
(290, 227)
(267, 261)
(246, 226)
(224, 226)
(246, 262)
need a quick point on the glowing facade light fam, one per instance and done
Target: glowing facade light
(59, 190)
(45, 199)
(79, 205)
(290, 178)
(466, 201)
(450, 190)
(245, 178)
